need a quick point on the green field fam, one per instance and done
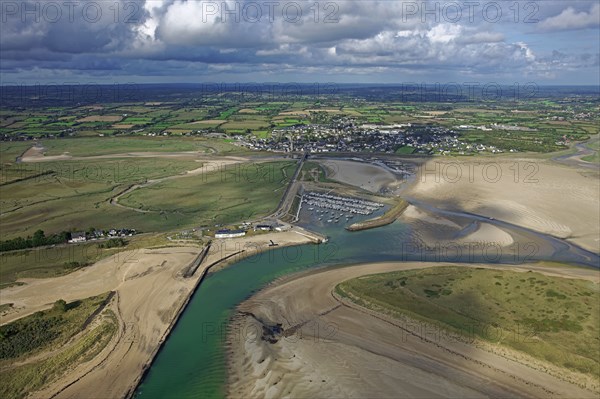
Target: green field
(119, 145)
(75, 195)
(594, 145)
(230, 194)
(50, 330)
(550, 318)
(405, 150)
(552, 123)
(10, 150)
(226, 114)
(245, 124)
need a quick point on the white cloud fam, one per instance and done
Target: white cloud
(444, 33)
(569, 19)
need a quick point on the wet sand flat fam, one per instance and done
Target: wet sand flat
(533, 193)
(341, 350)
(359, 174)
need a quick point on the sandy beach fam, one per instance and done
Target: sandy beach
(150, 292)
(340, 350)
(534, 193)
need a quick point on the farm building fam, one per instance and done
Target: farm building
(226, 233)
(77, 237)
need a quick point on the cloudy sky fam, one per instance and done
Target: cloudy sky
(104, 41)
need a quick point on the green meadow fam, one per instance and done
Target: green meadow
(550, 318)
(227, 194)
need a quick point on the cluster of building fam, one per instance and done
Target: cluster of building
(352, 138)
(82, 236)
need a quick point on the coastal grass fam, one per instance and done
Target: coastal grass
(550, 318)
(28, 376)
(75, 195)
(594, 158)
(10, 150)
(90, 146)
(48, 329)
(231, 194)
(594, 145)
(314, 171)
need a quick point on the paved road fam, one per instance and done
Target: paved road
(290, 192)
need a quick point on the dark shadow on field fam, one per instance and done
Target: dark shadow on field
(73, 305)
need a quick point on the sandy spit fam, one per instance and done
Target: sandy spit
(341, 350)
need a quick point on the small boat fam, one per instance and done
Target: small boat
(329, 220)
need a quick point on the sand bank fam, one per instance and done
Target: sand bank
(434, 229)
(533, 193)
(339, 350)
(360, 174)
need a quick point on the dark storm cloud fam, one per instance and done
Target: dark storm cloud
(174, 37)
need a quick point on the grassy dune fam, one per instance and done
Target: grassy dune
(36, 349)
(550, 318)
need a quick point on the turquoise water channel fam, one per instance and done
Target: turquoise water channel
(192, 363)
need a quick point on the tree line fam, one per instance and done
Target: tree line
(37, 240)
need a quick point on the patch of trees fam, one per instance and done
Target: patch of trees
(39, 239)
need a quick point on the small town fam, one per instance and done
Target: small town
(350, 137)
